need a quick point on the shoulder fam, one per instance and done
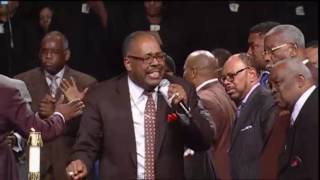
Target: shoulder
(29, 74)
(81, 76)
(7, 85)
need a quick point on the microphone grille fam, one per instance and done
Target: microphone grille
(164, 83)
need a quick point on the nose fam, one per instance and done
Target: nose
(249, 51)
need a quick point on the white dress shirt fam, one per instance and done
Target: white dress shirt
(138, 102)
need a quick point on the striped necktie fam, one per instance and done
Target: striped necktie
(53, 85)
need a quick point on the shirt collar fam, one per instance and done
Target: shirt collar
(205, 83)
(244, 100)
(136, 92)
(59, 74)
(298, 105)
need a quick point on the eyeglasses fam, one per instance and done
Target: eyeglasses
(271, 50)
(148, 58)
(230, 76)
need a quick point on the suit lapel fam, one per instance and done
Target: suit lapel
(243, 117)
(124, 108)
(161, 123)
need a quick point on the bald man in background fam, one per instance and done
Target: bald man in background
(201, 69)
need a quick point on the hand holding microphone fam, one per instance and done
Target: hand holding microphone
(175, 96)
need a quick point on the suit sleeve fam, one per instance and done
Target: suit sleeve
(19, 113)
(89, 136)
(199, 133)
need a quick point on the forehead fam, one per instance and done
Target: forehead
(277, 72)
(273, 40)
(52, 41)
(232, 64)
(144, 45)
(255, 36)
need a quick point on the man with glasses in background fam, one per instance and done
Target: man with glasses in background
(286, 41)
(254, 118)
(126, 125)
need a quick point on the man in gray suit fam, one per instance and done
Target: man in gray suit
(255, 115)
(43, 84)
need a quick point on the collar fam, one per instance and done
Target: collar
(205, 83)
(305, 61)
(299, 104)
(59, 74)
(244, 100)
(135, 91)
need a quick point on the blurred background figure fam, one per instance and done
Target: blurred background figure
(312, 52)
(256, 47)
(221, 54)
(45, 18)
(170, 66)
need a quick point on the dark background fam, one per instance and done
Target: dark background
(196, 25)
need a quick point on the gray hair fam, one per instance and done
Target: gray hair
(289, 33)
(295, 66)
(60, 35)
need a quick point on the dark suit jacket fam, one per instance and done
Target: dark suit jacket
(107, 132)
(16, 114)
(250, 132)
(55, 154)
(222, 110)
(300, 159)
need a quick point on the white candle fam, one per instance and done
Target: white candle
(34, 159)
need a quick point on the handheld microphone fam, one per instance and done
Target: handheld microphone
(163, 88)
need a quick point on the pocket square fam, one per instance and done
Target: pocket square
(295, 161)
(246, 128)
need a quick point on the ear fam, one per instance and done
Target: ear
(300, 80)
(67, 55)
(253, 75)
(127, 64)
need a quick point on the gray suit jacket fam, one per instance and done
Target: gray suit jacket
(54, 154)
(250, 133)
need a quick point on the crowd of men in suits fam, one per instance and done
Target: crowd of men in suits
(252, 116)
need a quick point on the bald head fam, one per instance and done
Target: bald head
(136, 37)
(200, 66)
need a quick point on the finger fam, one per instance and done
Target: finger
(67, 82)
(63, 86)
(85, 91)
(60, 99)
(73, 83)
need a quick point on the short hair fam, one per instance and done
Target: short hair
(221, 54)
(290, 33)
(128, 40)
(312, 44)
(263, 27)
(171, 64)
(294, 65)
(63, 37)
(249, 61)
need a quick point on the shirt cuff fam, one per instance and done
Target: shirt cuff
(59, 114)
(17, 148)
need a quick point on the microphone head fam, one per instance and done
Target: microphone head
(164, 83)
(163, 89)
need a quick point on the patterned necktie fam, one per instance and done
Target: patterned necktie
(150, 136)
(53, 85)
